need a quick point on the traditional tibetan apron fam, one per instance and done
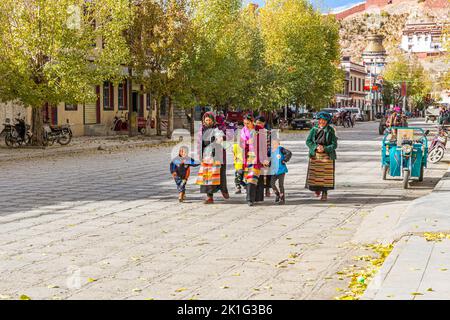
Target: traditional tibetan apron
(209, 173)
(251, 174)
(321, 172)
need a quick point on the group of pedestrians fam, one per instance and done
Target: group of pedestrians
(260, 161)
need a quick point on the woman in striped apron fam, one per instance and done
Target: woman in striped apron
(212, 176)
(322, 144)
(250, 142)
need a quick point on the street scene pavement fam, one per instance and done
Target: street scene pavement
(108, 225)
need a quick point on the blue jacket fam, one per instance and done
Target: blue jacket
(181, 166)
(279, 158)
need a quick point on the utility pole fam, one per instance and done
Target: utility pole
(130, 101)
(370, 94)
(130, 82)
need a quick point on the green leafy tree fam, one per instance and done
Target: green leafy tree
(48, 51)
(302, 46)
(411, 72)
(214, 66)
(161, 40)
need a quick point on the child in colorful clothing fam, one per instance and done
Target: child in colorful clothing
(279, 157)
(239, 168)
(180, 168)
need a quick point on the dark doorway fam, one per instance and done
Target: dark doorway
(135, 101)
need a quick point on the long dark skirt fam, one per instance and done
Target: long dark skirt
(260, 188)
(321, 173)
(210, 190)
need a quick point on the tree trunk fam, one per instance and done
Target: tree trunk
(192, 122)
(158, 116)
(37, 127)
(170, 119)
(270, 119)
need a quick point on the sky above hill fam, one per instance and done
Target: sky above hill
(324, 5)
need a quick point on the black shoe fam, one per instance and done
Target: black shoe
(277, 198)
(250, 204)
(238, 191)
(282, 200)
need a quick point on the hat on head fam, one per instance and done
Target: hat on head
(261, 119)
(210, 115)
(324, 115)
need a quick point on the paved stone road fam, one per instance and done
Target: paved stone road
(108, 226)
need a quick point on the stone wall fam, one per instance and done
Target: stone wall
(377, 3)
(344, 14)
(437, 4)
(10, 110)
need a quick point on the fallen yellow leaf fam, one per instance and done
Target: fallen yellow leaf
(181, 290)
(24, 297)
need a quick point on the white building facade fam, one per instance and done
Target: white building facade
(352, 94)
(424, 38)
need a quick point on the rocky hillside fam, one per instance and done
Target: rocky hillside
(388, 22)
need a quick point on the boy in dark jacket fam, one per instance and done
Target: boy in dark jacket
(180, 168)
(279, 157)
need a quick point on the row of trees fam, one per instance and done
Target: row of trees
(195, 52)
(410, 73)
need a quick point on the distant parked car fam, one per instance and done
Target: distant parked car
(357, 113)
(431, 114)
(331, 111)
(303, 121)
(235, 117)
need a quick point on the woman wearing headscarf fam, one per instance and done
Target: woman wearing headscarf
(212, 176)
(322, 144)
(264, 183)
(250, 142)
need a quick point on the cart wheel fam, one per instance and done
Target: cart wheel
(406, 175)
(436, 155)
(385, 171)
(421, 173)
(143, 131)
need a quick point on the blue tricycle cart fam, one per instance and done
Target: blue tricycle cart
(405, 153)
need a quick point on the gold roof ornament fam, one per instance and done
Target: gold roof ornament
(375, 45)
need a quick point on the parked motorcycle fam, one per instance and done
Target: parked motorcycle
(283, 125)
(438, 146)
(119, 123)
(60, 134)
(382, 126)
(17, 134)
(347, 122)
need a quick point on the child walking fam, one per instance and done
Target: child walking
(279, 157)
(180, 168)
(239, 168)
